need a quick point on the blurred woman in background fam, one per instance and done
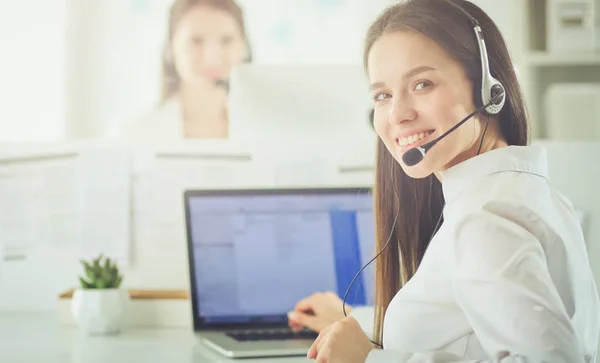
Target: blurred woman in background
(206, 39)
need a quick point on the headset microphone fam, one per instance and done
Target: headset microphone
(222, 83)
(415, 155)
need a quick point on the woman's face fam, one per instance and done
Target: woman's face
(420, 92)
(207, 44)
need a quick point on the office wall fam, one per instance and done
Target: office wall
(32, 68)
(309, 31)
(114, 54)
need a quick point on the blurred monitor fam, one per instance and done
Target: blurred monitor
(296, 107)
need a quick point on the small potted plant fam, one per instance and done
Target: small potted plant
(99, 304)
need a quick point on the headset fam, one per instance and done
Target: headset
(493, 98)
(493, 95)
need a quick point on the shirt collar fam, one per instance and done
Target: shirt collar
(526, 159)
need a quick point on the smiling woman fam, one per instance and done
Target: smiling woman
(506, 276)
(444, 83)
(206, 39)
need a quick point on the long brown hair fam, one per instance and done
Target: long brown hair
(416, 204)
(170, 79)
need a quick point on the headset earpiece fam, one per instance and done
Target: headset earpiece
(491, 89)
(496, 96)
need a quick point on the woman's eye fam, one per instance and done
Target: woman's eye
(421, 85)
(381, 96)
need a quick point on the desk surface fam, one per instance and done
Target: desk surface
(38, 338)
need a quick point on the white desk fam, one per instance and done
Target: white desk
(38, 338)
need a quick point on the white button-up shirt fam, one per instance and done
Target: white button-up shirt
(508, 271)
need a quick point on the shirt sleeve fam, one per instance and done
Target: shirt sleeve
(503, 286)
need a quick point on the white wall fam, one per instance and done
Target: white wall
(32, 68)
(114, 50)
(309, 31)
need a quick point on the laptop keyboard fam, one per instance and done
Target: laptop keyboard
(271, 334)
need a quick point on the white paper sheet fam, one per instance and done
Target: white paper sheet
(104, 177)
(20, 218)
(35, 192)
(59, 185)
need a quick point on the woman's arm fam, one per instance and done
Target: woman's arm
(503, 286)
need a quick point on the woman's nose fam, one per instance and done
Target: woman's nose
(212, 56)
(402, 112)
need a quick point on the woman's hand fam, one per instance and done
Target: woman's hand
(341, 342)
(317, 312)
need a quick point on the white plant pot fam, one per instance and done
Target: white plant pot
(100, 311)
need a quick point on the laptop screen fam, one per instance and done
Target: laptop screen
(256, 254)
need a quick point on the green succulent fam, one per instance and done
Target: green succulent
(100, 274)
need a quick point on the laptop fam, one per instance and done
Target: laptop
(254, 253)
